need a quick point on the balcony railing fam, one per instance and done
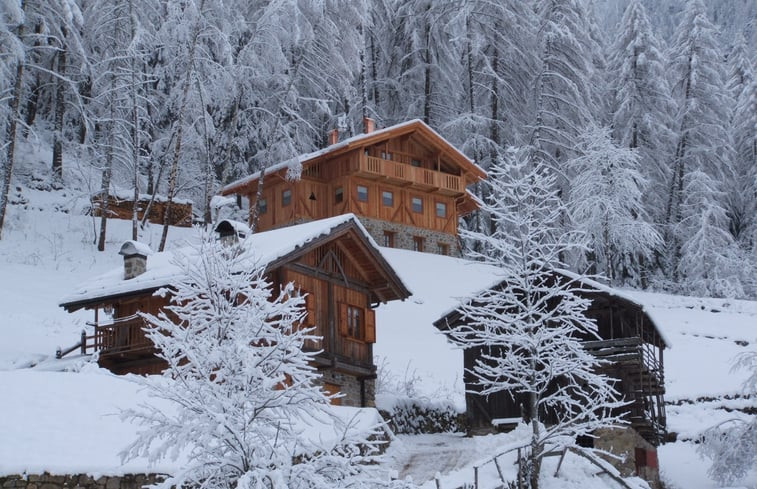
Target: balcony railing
(122, 335)
(406, 174)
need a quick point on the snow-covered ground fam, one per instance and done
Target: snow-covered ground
(66, 421)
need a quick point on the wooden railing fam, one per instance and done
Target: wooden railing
(405, 173)
(119, 336)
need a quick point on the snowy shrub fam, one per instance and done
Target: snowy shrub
(413, 416)
(732, 445)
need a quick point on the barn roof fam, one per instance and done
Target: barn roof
(587, 286)
(417, 126)
(269, 249)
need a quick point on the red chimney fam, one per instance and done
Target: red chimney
(333, 136)
(369, 125)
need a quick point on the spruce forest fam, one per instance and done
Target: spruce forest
(644, 111)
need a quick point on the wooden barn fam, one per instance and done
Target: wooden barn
(332, 260)
(406, 183)
(633, 347)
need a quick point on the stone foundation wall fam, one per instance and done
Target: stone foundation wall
(350, 387)
(627, 444)
(403, 236)
(79, 481)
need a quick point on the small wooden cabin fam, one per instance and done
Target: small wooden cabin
(406, 183)
(630, 342)
(121, 207)
(333, 261)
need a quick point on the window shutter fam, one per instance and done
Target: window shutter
(343, 319)
(370, 326)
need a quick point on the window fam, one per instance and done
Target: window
(286, 197)
(415, 163)
(389, 239)
(339, 195)
(385, 155)
(387, 198)
(362, 193)
(357, 323)
(443, 249)
(417, 205)
(441, 209)
(262, 206)
(417, 243)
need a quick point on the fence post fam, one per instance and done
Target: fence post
(475, 476)
(83, 342)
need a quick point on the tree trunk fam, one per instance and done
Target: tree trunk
(105, 189)
(12, 128)
(134, 127)
(174, 173)
(60, 107)
(33, 103)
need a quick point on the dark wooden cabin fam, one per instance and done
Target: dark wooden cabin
(629, 341)
(121, 207)
(405, 183)
(340, 269)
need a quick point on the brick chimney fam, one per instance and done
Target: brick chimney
(369, 125)
(333, 136)
(135, 258)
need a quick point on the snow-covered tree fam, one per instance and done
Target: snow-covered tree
(732, 444)
(642, 107)
(703, 144)
(241, 391)
(531, 325)
(606, 205)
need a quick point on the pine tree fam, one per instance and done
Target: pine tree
(607, 207)
(703, 147)
(642, 107)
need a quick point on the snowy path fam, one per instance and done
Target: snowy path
(421, 457)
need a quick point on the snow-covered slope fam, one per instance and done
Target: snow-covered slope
(67, 421)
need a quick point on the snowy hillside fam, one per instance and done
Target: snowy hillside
(47, 251)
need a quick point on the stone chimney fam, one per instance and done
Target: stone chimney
(135, 258)
(369, 125)
(333, 136)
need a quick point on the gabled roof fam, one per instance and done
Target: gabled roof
(585, 286)
(413, 126)
(270, 249)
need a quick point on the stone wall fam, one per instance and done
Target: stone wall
(638, 456)
(349, 387)
(403, 236)
(79, 481)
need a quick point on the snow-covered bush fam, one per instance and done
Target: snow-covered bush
(413, 416)
(248, 411)
(732, 445)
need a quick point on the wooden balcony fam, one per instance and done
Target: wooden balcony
(122, 336)
(400, 173)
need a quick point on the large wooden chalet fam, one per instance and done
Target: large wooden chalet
(406, 183)
(332, 260)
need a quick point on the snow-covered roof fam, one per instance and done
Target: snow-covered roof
(262, 248)
(131, 247)
(344, 144)
(237, 226)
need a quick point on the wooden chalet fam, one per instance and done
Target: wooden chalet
(332, 260)
(629, 342)
(406, 183)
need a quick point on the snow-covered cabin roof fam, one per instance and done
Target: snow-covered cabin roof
(229, 226)
(587, 286)
(267, 249)
(415, 125)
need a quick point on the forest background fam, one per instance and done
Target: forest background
(644, 111)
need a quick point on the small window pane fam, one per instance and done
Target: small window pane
(339, 195)
(415, 163)
(354, 322)
(417, 243)
(263, 206)
(387, 198)
(286, 197)
(417, 204)
(389, 239)
(362, 193)
(441, 209)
